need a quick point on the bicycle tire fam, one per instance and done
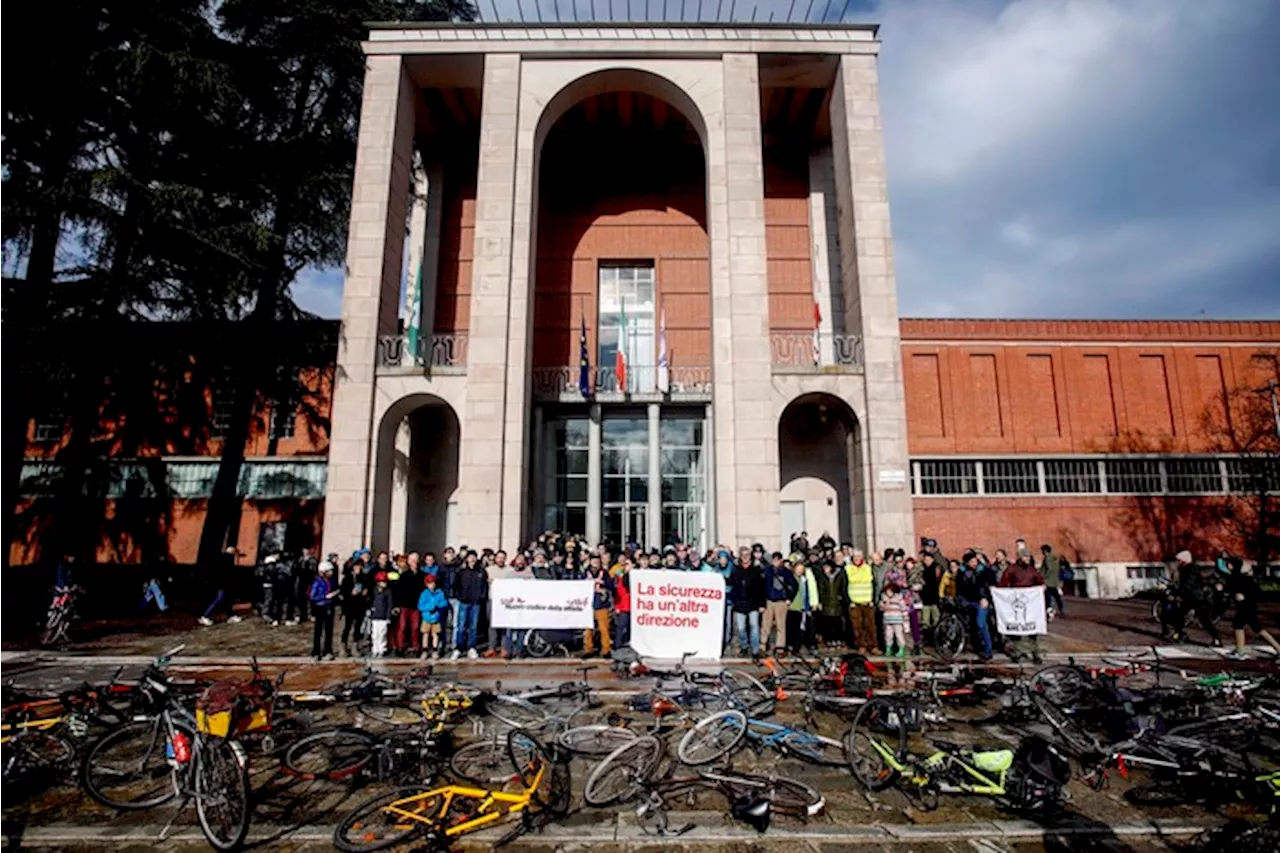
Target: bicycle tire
(623, 772)
(100, 768)
(1069, 733)
(1233, 732)
(368, 828)
(786, 796)
(222, 793)
(1061, 684)
(516, 712)
(391, 714)
(525, 753)
(484, 763)
(35, 751)
(747, 690)
(869, 766)
(815, 749)
(331, 755)
(536, 645)
(950, 636)
(597, 740)
(712, 737)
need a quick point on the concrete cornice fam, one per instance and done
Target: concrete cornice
(595, 39)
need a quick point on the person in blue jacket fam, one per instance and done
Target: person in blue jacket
(323, 592)
(433, 605)
(973, 591)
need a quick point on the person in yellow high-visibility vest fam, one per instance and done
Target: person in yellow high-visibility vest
(860, 592)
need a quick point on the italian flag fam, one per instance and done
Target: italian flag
(620, 360)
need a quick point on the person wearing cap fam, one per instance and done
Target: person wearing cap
(380, 613)
(433, 606)
(322, 595)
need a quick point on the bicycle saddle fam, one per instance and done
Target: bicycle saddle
(993, 761)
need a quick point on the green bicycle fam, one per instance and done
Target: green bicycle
(1029, 780)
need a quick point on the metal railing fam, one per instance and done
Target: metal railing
(433, 351)
(557, 382)
(800, 351)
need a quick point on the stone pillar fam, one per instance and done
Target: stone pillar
(483, 421)
(870, 296)
(653, 523)
(709, 467)
(594, 482)
(371, 292)
(537, 464)
(746, 429)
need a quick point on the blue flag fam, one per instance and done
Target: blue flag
(584, 366)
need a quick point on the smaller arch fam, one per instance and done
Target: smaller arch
(416, 474)
(819, 468)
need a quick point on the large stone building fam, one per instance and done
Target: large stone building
(637, 282)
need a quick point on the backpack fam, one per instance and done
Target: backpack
(1066, 573)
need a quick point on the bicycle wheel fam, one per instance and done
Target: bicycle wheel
(595, 740)
(950, 636)
(1230, 731)
(371, 825)
(127, 768)
(712, 737)
(1061, 684)
(516, 712)
(35, 751)
(815, 749)
(786, 796)
(876, 740)
(539, 769)
(623, 772)
(536, 644)
(332, 755)
(222, 792)
(1070, 733)
(484, 763)
(747, 692)
(391, 714)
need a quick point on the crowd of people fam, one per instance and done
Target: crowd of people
(818, 594)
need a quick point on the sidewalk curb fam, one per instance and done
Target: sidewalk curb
(61, 834)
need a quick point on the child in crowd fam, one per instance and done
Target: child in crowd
(380, 614)
(893, 607)
(432, 604)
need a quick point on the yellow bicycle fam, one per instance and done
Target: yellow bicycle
(539, 791)
(441, 707)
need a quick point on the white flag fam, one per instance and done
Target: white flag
(1020, 610)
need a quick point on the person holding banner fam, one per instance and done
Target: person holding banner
(1023, 574)
(620, 575)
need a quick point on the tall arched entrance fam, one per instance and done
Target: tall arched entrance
(820, 483)
(416, 475)
(622, 284)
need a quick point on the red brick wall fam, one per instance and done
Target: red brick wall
(991, 386)
(787, 241)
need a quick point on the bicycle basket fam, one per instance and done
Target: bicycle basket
(229, 708)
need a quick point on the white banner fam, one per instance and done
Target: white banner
(526, 603)
(1020, 610)
(677, 612)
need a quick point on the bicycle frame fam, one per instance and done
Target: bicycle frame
(924, 772)
(485, 813)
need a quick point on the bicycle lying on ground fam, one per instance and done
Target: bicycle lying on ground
(632, 771)
(1030, 780)
(440, 815)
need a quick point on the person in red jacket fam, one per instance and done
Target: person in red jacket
(1023, 573)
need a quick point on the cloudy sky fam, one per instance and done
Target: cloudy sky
(1062, 158)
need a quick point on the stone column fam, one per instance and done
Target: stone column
(537, 464)
(371, 292)
(594, 482)
(483, 434)
(746, 430)
(653, 523)
(870, 296)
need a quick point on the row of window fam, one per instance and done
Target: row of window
(179, 479)
(1184, 475)
(50, 427)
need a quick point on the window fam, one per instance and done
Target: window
(1253, 475)
(566, 501)
(220, 414)
(189, 480)
(1133, 477)
(948, 477)
(1198, 476)
(1138, 573)
(277, 480)
(1071, 476)
(1010, 477)
(627, 321)
(39, 479)
(283, 415)
(683, 468)
(133, 479)
(624, 491)
(49, 427)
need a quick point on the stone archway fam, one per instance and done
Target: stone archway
(415, 475)
(819, 479)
